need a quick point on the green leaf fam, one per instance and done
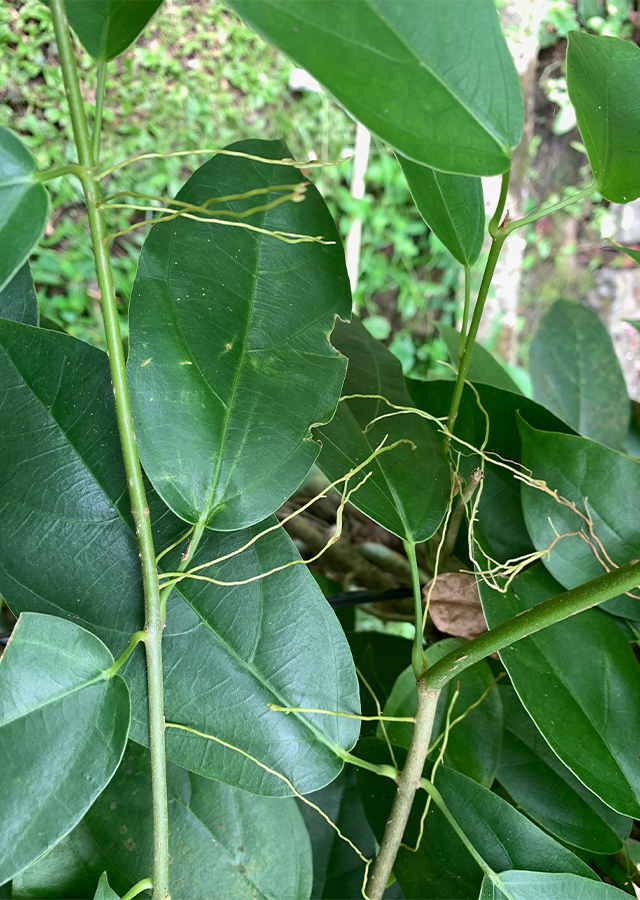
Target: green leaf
(548, 792)
(408, 490)
(576, 374)
(474, 743)
(250, 848)
(549, 886)
(603, 73)
(18, 300)
(107, 27)
(24, 205)
(63, 730)
(390, 64)
(63, 500)
(103, 891)
(70, 870)
(451, 205)
(635, 255)
(442, 868)
(483, 368)
(229, 361)
(604, 487)
(580, 683)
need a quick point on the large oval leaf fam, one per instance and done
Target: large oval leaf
(451, 205)
(229, 361)
(603, 485)
(18, 300)
(473, 746)
(432, 78)
(107, 27)
(580, 683)
(603, 73)
(408, 490)
(548, 792)
(576, 374)
(63, 730)
(223, 842)
(63, 502)
(549, 886)
(442, 868)
(24, 205)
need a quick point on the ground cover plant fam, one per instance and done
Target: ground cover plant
(181, 711)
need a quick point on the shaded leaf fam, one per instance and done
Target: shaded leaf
(451, 205)
(549, 886)
(408, 490)
(24, 205)
(548, 792)
(107, 27)
(442, 868)
(18, 300)
(483, 368)
(603, 73)
(249, 847)
(103, 891)
(70, 725)
(63, 499)
(576, 374)
(433, 79)
(474, 743)
(229, 361)
(580, 683)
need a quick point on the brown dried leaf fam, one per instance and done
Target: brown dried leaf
(455, 605)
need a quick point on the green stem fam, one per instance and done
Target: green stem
(408, 784)
(418, 660)
(561, 204)
(567, 604)
(465, 314)
(134, 640)
(456, 517)
(144, 885)
(57, 171)
(153, 619)
(97, 122)
(498, 238)
(196, 537)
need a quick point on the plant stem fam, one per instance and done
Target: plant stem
(418, 660)
(153, 618)
(498, 237)
(57, 171)
(456, 517)
(532, 620)
(408, 784)
(97, 122)
(465, 313)
(561, 204)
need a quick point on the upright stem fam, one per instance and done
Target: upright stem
(498, 237)
(408, 784)
(418, 660)
(153, 618)
(97, 120)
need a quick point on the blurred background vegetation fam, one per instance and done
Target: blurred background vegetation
(198, 77)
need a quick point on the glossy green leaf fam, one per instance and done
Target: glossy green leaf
(63, 499)
(229, 361)
(576, 374)
(473, 747)
(338, 873)
(580, 683)
(103, 891)
(63, 730)
(500, 517)
(548, 792)
(483, 368)
(603, 75)
(451, 205)
(549, 886)
(442, 868)
(18, 300)
(603, 485)
(249, 848)
(69, 871)
(24, 205)
(409, 488)
(107, 27)
(431, 78)
(634, 255)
